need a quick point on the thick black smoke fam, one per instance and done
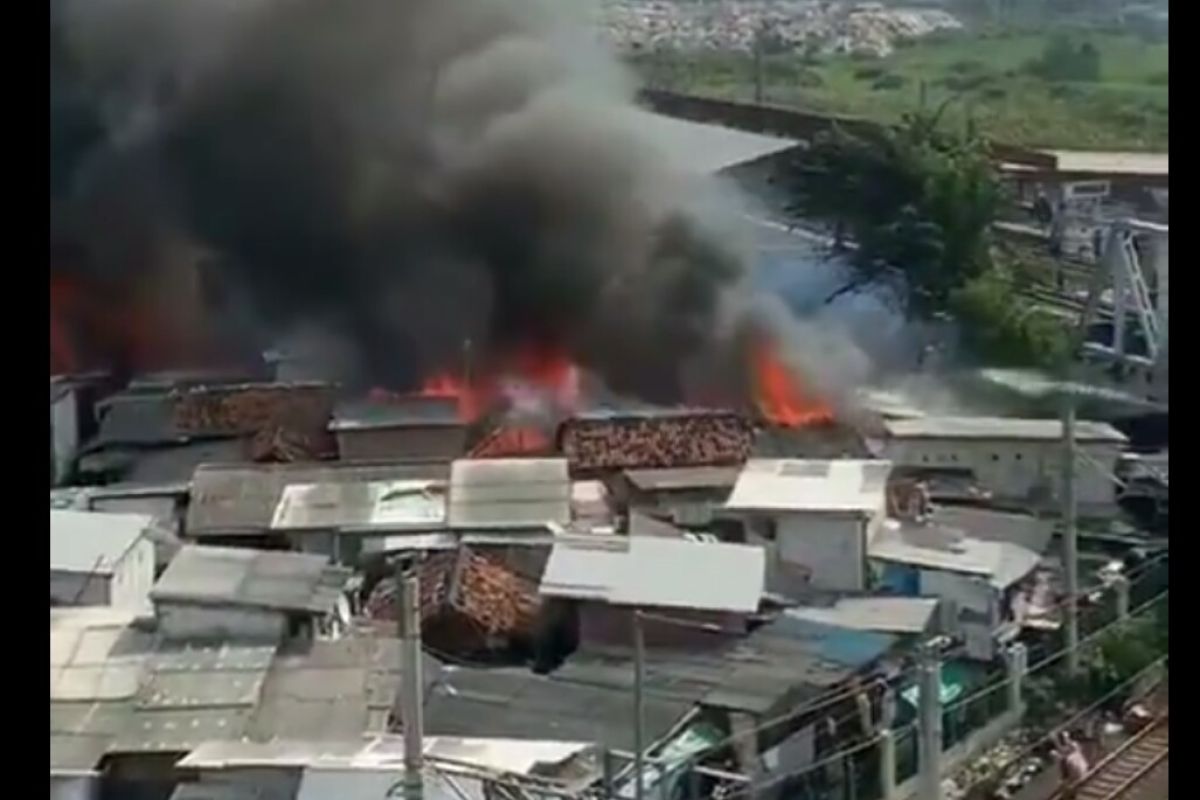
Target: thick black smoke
(400, 176)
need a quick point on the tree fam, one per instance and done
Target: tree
(1062, 61)
(917, 202)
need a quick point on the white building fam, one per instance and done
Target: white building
(1016, 460)
(973, 577)
(100, 559)
(813, 518)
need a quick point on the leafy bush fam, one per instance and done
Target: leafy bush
(868, 73)
(1062, 61)
(889, 82)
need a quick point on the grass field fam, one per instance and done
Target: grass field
(1127, 108)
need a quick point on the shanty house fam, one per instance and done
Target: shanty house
(814, 519)
(684, 495)
(237, 503)
(225, 593)
(409, 428)
(100, 559)
(1016, 460)
(509, 493)
(973, 577)
(715, 586)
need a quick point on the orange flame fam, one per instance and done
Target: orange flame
(782, 399)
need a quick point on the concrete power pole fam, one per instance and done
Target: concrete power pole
(639, 715)
(412, 713)
(930, 722)
(1070, 534)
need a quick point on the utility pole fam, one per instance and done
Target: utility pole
(930, 725)
(639, 674)
(409, 595)
(1070, 533)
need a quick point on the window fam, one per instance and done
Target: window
(995, 456)
(1018, 456)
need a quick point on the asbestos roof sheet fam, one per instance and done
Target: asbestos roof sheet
(507, 493)
(1024, 530)
(1001, 563)
(85, 541)
(992, 428)
(241, 499)
(884, 614)
(254, 578)
(842, 485)
(655, 571)
(375, 505)
(681, 478)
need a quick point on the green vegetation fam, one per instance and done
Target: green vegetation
(1080, 89)
(918, 203)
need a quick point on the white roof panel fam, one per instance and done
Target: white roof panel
(885, 614)
(992, 428)
(509, 493)
(808, 485)
(1002, 563)
(659, 572)
(89, 541)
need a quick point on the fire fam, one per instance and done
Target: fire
(781, 397)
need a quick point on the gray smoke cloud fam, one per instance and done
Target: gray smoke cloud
(397, 178)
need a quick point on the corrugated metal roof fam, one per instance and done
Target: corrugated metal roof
(241, 499)
(996, 526)
(805, 485)
(375, 505)
(507, 493)
(991, 428)
(253, 578)
(884, 614)
(1003, 564)
(654, 571)
(86, 541)
(663, 480)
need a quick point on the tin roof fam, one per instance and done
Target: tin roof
(374, 505)
(933, 547)
(86, 541)
(672, 479)
(656, 571)
(992, 428)
(240, 499)
(509, 493)
(401, 412)
(255, 578)
(884, 614)
(810, 485)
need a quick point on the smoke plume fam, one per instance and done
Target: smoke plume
(400, 178)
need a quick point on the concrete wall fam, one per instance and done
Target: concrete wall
(183, 621)
(812, 550)
(80, 588)
(1016, 470)
(74, 787)
(133, 577)
(430, 442)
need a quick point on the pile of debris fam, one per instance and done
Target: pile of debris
(688, 438)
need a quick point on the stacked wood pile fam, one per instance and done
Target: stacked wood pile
(285, 422)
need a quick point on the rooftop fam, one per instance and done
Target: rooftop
(884, 614)
(938, 548)
(255, 578)
(991, 428)
(116, 689)
(656, 571)
(373, 505)
(241, 499)
(87, 541)
(808, 485)
(509, 493)
(673, 479)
